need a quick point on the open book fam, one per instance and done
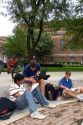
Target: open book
(34, 86)
(73, 89)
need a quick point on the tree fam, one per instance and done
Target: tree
(34, 13)
(16, 44)
(74, 27)
(45, 46)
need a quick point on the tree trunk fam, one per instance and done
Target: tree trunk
(28, 45)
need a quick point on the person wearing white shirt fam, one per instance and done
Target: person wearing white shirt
(25, 98)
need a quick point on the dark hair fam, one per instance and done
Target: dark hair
(18, 77)
(68, 73)
(33, 63)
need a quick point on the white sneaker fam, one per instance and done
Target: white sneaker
(80, 98)
(37, 115)
(59, 98)
(51, 105)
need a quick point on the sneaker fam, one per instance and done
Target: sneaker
(80, 98)
(37, 115)
(51, 105)
(59, 98)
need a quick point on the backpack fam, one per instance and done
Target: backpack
(51, 93)
(7, 108)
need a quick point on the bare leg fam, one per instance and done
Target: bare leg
(69, 93)
(42, 86)
(81, 89)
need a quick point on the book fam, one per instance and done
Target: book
(34, 86)
(74, 89)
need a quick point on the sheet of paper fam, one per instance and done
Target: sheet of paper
(73, 89)
(34, 86)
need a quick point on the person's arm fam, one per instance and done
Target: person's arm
(15, 90)
(61, 84)
(16, 94)
(38, 70)
(63, 87)
(25, 71)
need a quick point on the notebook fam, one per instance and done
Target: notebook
(74, 89)
(34, 86)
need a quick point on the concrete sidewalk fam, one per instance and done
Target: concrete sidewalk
(75, 76)
(6, 80)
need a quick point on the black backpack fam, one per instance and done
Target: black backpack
(51, 93)
(7, 108)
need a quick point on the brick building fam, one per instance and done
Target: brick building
(2, 40)
(61, 55)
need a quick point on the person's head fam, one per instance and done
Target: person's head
(33, 64)
(19, 79)
(67, 74)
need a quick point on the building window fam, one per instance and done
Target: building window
(81, 61)
(61, 44)
(61, 59)
(72, 59)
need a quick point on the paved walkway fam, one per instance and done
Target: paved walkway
(67, 114)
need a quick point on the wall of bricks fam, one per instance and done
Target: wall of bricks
(65, 55)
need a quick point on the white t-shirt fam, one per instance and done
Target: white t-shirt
(14, 88)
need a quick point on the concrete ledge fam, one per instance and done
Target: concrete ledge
(19, 114)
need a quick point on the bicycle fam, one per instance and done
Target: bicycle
(16, 69)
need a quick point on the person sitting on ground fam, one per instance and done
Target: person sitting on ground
(67, 88)
(25, 97)
(31, 72)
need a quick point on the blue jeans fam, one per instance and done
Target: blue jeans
(27, 100)
(41, 98)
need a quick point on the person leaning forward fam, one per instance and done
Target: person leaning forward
(24, 98)
(30, 71)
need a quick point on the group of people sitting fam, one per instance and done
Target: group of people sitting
(25, 97)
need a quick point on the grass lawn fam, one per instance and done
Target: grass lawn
(56, 69)
(69, 68)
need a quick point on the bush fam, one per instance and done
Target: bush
(51, 65)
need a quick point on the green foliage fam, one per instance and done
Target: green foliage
(55, 25)
(74, 28)
(34, 13)
(16, 44)
(45, 45)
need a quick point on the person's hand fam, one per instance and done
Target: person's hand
(26, 79)
(67, 89)
(37, 74)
